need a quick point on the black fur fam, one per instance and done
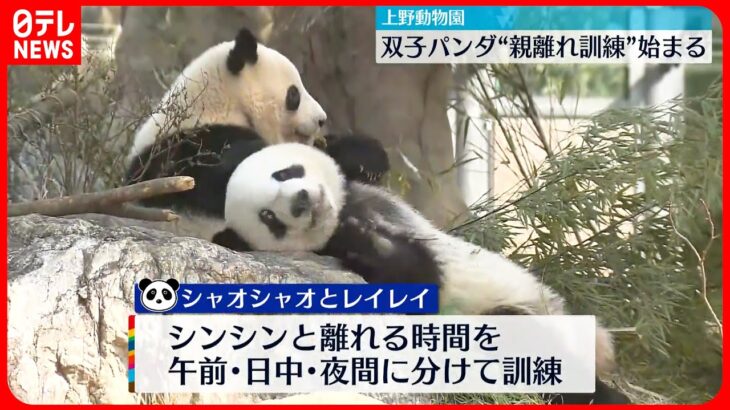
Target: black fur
(360, 157)
(407, 262)
(274, 224)
(505, 310)
(300, 204)
(399, 258)
(293, 98)
(244, 51)
(294, 171)
(604, 394)
(367, 247)
(230, 239)
(209, 154)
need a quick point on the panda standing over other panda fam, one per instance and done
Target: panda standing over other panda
(234, 99)
(240, 83)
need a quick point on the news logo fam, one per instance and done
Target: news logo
(45, 34)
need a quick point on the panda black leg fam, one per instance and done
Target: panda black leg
(381, 255)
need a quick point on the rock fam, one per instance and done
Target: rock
(325, 398)
(70, 292)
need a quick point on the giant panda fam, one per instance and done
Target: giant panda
(292, 197)
(239, 82)
(210, 154)
(241, 97)
(235, 98)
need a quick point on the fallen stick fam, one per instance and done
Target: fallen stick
(110, 202)
(142, 213)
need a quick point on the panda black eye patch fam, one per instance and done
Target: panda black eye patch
(276, 227)
(292, 98)
(151, 294)
(294, 171)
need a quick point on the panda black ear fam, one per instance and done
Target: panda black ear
(144, 283)
(174, 284)
(244, 51)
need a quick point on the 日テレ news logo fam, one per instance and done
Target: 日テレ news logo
(46, 35)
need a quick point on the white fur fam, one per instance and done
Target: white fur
(207, 93)
(252, 188)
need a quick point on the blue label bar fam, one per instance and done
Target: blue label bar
(287, 298)
(542, 18)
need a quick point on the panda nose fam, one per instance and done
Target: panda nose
(322, 119)
(300, 204)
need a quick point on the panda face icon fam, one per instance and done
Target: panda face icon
(159, 295)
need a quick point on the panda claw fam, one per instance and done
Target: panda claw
(382, 245)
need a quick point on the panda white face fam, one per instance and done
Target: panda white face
(159, 295)
(285, 197)
(239, 82)
(276, 100)
(270, 92)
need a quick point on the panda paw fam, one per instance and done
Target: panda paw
(378, 236)
(361, 157)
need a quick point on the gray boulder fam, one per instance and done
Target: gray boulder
(70, 293)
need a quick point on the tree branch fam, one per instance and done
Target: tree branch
(41, 110)
(34, 117)
(142, 213)
(701, 260)
(110, 202)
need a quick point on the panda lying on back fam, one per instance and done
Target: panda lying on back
(293, 197)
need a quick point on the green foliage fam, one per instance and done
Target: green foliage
(625, 220)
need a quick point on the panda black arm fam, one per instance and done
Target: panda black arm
(209, 154)
(360, 157)
(229, 238)
(381, 255)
